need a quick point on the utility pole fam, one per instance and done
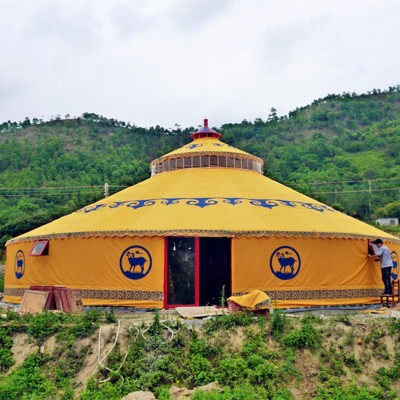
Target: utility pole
(106, 193)
(369, 197)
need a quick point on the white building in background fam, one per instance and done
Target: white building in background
(387, 221)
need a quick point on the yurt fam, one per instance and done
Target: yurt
(206, 224)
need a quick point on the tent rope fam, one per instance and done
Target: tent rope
(139, 332)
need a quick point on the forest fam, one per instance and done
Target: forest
(343, 150)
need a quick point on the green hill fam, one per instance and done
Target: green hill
(343, 150)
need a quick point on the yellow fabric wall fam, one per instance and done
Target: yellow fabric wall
(332, 271)
(92, 265)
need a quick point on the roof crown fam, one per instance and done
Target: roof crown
(205, 131)
(206, 151)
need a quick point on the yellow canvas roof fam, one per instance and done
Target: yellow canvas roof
(207, 202)
(207, 145)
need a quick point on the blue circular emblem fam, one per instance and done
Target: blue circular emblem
(395, 269)
(285, 263)
(19, 264)
(135, 262)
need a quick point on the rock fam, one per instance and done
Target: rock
(140, 396)
(182, 393)
(210, 386)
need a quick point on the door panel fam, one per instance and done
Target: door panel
(181, 271)
(215, 270)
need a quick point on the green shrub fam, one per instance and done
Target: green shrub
(343, 318)
(85, 324)
(203, 347)
(228, 322)
(375, 335)
(43, 325)
(6, 358)
(28, 379)
(352, 363)
(278, 322)
(263, 372)
(156, 327)
(231, 371)
(110, 317)
(335, 389)
(104, 391)
(244, 391)
(311, 319)
(1, 283)
(394, 327)
(305, 337)
(201, 370)
(254, 344)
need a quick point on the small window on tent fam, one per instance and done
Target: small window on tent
(40, 248)
(188, 162)
(196, 162)
(205, 161)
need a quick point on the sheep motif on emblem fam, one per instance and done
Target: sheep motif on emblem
(135, 262)
(285, 262)
(19, 264)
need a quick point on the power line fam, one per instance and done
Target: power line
(354, 191)
(44, 194)
(121, 186)
(353, 181)
(76, 190)
(61, 187)
(92, 192)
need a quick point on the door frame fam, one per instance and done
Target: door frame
(196, 274)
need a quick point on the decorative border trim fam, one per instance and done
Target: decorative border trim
(142, 295)
(322, 294)
(104, 294)
(122, 294)
(198, 233)
(17, 292)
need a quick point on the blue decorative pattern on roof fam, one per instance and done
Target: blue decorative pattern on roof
(192, 146)
(208, 201)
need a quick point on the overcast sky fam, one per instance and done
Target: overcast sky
(173, 62)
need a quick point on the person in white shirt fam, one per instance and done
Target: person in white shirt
(385, 259)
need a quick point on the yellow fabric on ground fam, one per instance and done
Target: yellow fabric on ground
(253, 299)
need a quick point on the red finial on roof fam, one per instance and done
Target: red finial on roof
(205, 131)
